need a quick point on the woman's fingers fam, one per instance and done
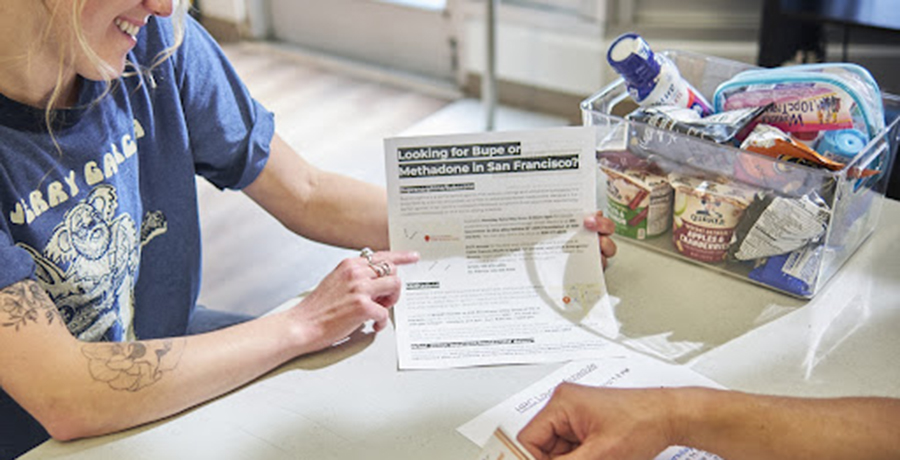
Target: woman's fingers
(380, 315)
(607, 246)
(386, 290)
(604, 227)
(600, 224)
(385, 263)
(398, 257)
(383, 289)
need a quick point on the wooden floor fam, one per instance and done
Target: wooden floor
(251, 263)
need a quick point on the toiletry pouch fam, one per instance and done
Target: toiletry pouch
(808, 98)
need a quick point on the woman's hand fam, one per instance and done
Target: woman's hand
(355, 292)
(604, 228)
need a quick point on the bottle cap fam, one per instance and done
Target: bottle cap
(842, 143)
(632, 58)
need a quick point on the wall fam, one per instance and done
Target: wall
(568, 55)
(226, 20)
(227, 10)
(541, 56)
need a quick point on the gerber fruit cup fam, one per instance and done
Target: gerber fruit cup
(779, 224)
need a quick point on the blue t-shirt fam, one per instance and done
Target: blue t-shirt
(103, 213)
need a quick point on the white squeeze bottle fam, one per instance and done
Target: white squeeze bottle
(652, 79)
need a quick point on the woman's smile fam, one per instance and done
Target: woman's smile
(127, 27)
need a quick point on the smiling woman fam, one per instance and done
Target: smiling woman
(49, 43)
(109, 110)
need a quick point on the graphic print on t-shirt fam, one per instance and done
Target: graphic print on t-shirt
(89, 265)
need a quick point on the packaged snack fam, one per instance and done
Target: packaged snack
(720, 128)
(774, 225)
(795, 272)
(772, 142)
(639, 202)
(773, 174)
(807, 138)
(705, 214)
(808, 98)
(663, 116)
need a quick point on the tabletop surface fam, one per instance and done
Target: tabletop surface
(352, 402)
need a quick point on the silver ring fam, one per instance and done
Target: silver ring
(380, 269)
(367, 254)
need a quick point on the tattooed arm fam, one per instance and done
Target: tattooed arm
(77, 389)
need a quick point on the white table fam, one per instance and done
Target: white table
(352, 403)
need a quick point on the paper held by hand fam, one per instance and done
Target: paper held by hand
(508, 273)
(501, 446)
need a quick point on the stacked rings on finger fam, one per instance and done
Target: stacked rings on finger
(381, 269)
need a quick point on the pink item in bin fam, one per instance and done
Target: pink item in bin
(797, 107)
(808, 98)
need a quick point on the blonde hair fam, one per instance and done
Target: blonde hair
(109, 74)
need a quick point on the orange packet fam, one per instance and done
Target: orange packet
(770, 141)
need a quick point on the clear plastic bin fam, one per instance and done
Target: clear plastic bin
(853, 203)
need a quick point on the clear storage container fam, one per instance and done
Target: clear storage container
(713, 203)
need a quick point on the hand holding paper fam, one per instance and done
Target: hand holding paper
(619, 369)
(601, 423)
(502, 447)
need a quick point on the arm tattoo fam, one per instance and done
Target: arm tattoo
(128, 366)
(131, 366)
(23, 302)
